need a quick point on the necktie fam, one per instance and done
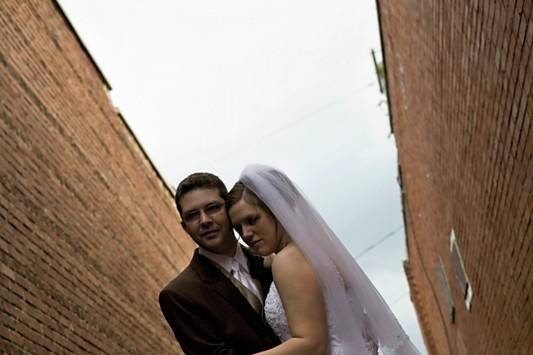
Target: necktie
(245, 286)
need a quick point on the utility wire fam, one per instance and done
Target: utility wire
(371, 247)
(399, 298)
(305, 117)
(385, 237)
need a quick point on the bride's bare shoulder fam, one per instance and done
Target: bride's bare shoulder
(290, 258)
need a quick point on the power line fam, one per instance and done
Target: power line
(399, 298)
(385, 237)
(305, 117)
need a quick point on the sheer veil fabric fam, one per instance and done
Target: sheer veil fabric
(356, 311)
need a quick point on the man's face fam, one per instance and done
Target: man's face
(205, 218)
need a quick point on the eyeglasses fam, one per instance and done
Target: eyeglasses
(211, 209)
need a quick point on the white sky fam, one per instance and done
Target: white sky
(213, 85)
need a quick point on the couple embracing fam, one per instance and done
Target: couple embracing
(294, 290)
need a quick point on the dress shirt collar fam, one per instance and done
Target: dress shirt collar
(225, 261)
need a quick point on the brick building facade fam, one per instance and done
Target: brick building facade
(460, 88)
(88, 230)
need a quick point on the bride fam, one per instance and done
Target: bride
(321, 301)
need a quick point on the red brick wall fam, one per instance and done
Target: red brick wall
(460, 80)
(88, 231)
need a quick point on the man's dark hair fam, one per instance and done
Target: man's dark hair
(199, 181)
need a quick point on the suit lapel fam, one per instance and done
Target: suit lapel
(220, 284)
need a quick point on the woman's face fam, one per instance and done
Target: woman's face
(258, 228)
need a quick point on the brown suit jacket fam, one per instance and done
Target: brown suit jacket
(209, 315)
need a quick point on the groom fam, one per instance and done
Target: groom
(214, 306)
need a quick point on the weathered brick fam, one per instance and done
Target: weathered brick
(89, 231)
(465, 147)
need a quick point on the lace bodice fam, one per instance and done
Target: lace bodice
(275, 314)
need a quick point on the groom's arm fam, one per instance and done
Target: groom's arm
(194, 334)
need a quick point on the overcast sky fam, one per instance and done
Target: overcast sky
(214, 85)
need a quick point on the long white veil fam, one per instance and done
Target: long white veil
(356, 311)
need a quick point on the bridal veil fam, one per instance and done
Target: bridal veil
(356, 311)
